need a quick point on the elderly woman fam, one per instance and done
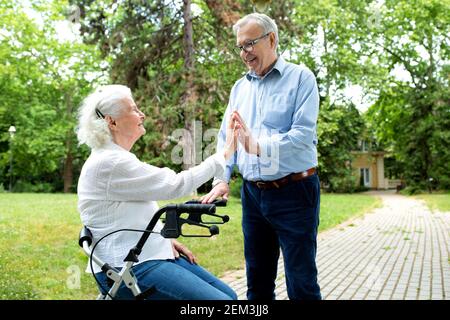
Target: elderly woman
(117, 191)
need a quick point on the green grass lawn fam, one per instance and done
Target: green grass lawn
(40, 257)
(436, 201)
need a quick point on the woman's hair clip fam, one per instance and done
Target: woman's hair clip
(99, 114)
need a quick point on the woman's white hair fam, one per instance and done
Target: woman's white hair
(265, 22)
(92, 128)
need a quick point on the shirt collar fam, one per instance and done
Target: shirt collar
(111, 145)
(280, 65)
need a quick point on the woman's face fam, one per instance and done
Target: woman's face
(129, 126)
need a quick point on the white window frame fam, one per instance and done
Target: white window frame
(365, 172)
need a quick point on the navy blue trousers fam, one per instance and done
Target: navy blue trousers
(286, 218)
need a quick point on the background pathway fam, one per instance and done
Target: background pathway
(398, 251)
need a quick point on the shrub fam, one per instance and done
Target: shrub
(235, 186)
(412, 190)
(28, 187)
(343, 184)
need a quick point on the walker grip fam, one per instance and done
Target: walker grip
(85, 235)
(218, 202)
(196, 208)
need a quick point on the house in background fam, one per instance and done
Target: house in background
(368, 167)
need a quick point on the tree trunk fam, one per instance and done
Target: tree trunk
(68, 168)
(227, 12)
(68, 161)
(189, 98)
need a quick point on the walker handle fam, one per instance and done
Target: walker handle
(85, 235)
(196, 208)
(218, 202)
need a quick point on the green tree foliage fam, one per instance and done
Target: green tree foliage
(42, 80)
(141, 43)
(328, 43)
(144, 40)
(339, 128)
(412, 113)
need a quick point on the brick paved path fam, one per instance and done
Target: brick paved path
(399, 251)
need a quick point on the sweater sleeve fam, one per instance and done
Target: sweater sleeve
(133, 180)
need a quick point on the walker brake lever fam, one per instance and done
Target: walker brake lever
(173, 224)
(213, 230)
(198, 217)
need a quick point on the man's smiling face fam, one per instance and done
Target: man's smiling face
(263, 53)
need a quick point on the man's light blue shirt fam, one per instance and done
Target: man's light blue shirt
(281, 110)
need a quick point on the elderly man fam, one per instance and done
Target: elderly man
(275, 108)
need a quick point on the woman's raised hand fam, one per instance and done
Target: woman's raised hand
(245, 137)
(231, 139)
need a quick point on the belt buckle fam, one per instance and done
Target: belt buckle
(260, 184)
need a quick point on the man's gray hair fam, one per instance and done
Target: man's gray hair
(265, 22)
(92, 128)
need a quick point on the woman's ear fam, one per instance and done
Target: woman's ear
(111, 123)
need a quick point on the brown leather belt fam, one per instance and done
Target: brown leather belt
(264, 185)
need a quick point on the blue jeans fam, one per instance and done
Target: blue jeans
(174, 280)
(286, 217)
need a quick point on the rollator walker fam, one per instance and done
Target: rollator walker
(173, 228)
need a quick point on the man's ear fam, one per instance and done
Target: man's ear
(272, 39)
(111, 122)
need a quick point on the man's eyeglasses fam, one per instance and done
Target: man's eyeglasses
(248, 46)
